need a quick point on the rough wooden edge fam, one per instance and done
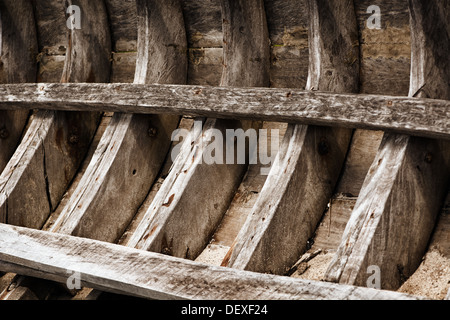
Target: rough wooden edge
(310, 159)
(56, 142)
(414, 116)
(115, 184)
(18, 51)
(144, 274)
(163, 228)
(44, 164)
(394, 216)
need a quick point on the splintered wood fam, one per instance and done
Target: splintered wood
(345, 201)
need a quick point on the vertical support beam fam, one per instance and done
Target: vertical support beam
(18, 51)
(56, 142)
(405, 188)
(310, 159)
(133, 148)
(187, 196)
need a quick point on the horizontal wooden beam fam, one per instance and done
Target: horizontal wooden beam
(407, 115)
(145, 274)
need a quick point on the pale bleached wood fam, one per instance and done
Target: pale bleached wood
(414, 116)
(405, 188)
(176, 205)
(18, 51)
(310, 159)
(95, 210)
(150, 275)
(43, 165)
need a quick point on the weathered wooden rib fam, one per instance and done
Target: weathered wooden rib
(120, 269)
(56, 142)
(133, 147)
(396, 211)
(18, 51)
(289, 208)
(408, 115)
(163, 228)
(45, 162)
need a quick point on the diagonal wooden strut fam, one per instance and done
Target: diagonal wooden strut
(188, 208)
(56, 140)
(396, 211)
(308, 164)
(133, 147)
(18, 50)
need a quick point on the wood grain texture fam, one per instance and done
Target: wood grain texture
(404, 190)
(18, 51)
(408, 115)
(144, 274)
(96, 210)
(163, 228)
(56, 142)
(309, 162)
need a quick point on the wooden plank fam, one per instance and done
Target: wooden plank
(310, 159)
(54, 145)
(163, 228)
(203, 23)
(395, 214)
(150, 275)
(408, 115)
(385, 52)
(95, 210)
(18, 51)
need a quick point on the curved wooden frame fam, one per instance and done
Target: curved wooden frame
(116, 183)
(164, 226)
(310, 159)
(18, 51)
(406, 186)
(57, 140)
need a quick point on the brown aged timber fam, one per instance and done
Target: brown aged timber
(133, 148)
(17, 64)
(55, 143)
(187, 197)
(409, 115)
(310, 159)
(120, 269)
(405, 188)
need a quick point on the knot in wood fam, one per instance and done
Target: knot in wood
(74, 139)
(429, 157)
(4, 133)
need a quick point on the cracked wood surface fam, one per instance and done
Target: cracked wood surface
(57, 140)
(18, 51)
(55, 143)
(133, 148)
(164, 226)
(125, 270)
(310, 159)
(405, 188)
(408, 115)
